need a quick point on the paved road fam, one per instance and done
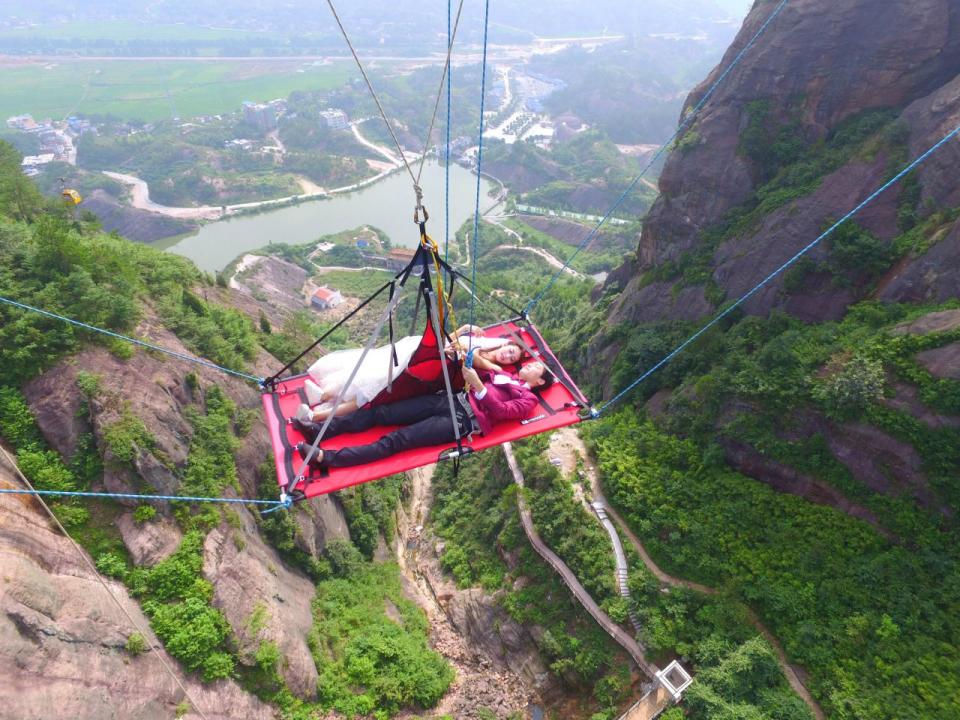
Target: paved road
(621, 636)
(379, 149)
(540, 252)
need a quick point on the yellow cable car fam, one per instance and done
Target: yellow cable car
(71, 197)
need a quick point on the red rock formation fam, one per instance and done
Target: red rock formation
(818, 64)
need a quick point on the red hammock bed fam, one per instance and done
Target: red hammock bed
(559, 406)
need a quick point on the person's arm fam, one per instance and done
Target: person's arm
(482, 363)
(516, 408)
(469, 330)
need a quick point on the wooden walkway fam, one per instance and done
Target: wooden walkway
(649, 706)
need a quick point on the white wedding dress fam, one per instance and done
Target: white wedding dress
(332, 371)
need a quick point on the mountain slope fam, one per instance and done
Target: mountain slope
(816, 116)
(804, 453)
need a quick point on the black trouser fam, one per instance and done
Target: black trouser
(426, 420)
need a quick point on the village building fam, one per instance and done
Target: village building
(325, 298)
(335, 118)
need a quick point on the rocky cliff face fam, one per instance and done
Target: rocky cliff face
(247, 575)
(829, 103)
(820, 65)
(62, 639)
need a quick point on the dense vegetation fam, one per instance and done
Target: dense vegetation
(369, 644)
(191, 166)
(875, 623)
(69, 267)
(737, 674)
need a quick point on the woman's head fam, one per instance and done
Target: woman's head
(509, 354)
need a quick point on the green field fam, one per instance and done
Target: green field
(354, 284)
(152, 90)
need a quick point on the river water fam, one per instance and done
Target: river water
(387, 205)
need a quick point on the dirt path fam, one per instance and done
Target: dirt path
(568, 446)
(650, 185)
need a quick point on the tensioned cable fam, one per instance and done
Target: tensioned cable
(93, 569)
(663, 148)
(436, 106)
(133, 496)
(376, 98)
(118, 336)
(446, 178)
(743, 298)
(476, 213)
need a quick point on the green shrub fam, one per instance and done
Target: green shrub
(218, 666)
(112, 565)
(70, 515)
(136, 644)
(144, 513)
(17, 424)
(345, 559)
(367, 661)
(192, 632)
(88, 383)
(267, 656)
(127, 437)
(46, 471)
(852, 388)
(370, 510)
(210, 463)
(855, 251)
(173, 577)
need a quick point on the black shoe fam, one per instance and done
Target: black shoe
(304, 450)
(308, 429)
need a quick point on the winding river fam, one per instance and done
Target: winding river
(386, 205)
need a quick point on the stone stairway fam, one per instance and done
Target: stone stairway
(622, 572)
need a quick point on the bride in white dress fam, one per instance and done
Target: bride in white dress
(329, 374)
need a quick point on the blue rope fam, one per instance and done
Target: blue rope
(175, 354)
(128, 496)
(476, 213)
(446, 241)
(691, 116)
(905, 171)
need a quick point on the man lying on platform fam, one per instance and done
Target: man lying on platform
(490, 398)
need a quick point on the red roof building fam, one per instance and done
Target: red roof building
(325, 298)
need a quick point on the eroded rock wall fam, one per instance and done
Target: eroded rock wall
(819, 64)
(62, 639)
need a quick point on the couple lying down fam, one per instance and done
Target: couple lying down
(330, 373)
(491, 395)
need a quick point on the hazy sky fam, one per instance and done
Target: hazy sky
(400, 21)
